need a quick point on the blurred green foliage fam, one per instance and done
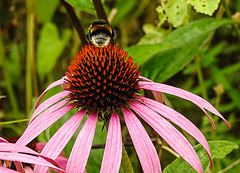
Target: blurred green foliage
(219, 149)
(187, 43)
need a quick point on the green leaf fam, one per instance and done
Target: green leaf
(174, 11)
(46, 9)
(142, 53)
(186, 40)
(50, 47)
(205, 6)
(84, 5)
(153, 34)
(196, 31)
(126, 164)
(162, 65)
(219, 149)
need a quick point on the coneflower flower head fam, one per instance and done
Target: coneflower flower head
(102, 79)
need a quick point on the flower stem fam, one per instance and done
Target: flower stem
(100, 10)
(125, 163)
(230, 166)
(75, 21)
(15, 121)
(200, 77)
(29, 53)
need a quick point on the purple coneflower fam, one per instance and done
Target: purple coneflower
(104, 82)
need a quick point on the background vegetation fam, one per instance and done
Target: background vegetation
(190, 44)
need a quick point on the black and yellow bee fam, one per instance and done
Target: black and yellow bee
(100, 34)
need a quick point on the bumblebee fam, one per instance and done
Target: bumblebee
(100, 34)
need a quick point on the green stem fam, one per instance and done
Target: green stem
(218, 101)
(126, 164)
(29, 54)
(230, 166)
(15, 121)
(200, 77)
(9, 86)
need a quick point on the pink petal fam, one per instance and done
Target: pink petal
(113, 149)
(7, 170)
(200, 102)
(51, 109)
(145, 79)
(39, 146)
(60, 139)
(19, 166)
(49, 102)
(14, 148)
(11, 147)
(62, 161)
(169, 133)
(142, 143)
(3, 140)
(179, 120)
(82, 146)
(158, 96)
(43, 122)
(52, 85)
(27, 159)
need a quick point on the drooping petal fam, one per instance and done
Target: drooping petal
(42, 122)
(49, 102)
(60, 139)
(52, 109)
(3, 140)
(113, 148)
(158, 96)
(82, 146)
(27, 159)
(14, 148)
(143, 145)
(145, 79)
(52, 85)
(179, 120)
(169, 133)
(7, 170)
(39, 146)
(19, 166)
(200, 102)
(62, 161)
(11, 147)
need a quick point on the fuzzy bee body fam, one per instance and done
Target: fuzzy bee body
(100, 34)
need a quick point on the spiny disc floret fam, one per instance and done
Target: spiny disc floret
(102, 79)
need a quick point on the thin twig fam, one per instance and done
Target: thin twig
(158, 141)
(230, 166)
(112, 14)
(75, 21)
(100, 10)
